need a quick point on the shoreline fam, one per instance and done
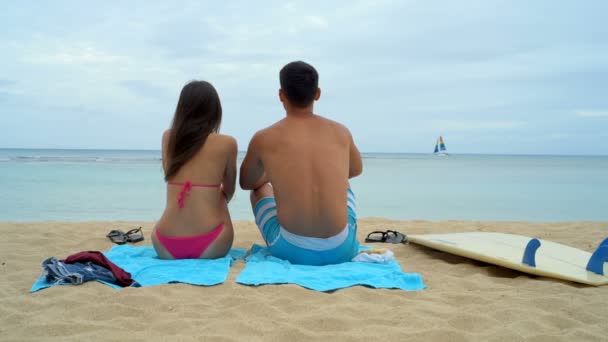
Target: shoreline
(465, 300)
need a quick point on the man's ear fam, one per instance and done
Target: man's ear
(318, 94)
(281, 95)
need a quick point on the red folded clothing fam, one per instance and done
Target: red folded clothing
(123, 278)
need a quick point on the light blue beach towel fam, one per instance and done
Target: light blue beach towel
(261, 268)
(148, 270)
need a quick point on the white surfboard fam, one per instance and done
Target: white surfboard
(551, 259)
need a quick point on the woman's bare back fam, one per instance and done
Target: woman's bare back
(204, 206)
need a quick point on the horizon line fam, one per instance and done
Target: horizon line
(362, 152)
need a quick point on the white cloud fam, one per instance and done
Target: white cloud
(591, 113)
(289, 7)
(316, 22)
(472, 125)
(75, 55)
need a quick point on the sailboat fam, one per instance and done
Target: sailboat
(440, 147)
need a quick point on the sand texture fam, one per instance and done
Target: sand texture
(465, 300)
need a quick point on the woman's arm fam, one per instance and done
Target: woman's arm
(229, 179)
(164, 149)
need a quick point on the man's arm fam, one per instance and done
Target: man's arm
(252, 170)
(229, 179)
(355, 163)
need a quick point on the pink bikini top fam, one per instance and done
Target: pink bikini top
(186, 187)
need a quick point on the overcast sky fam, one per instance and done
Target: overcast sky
(490, 76)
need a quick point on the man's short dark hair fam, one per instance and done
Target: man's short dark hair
(300, 82)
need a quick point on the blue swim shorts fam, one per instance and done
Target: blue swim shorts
(302, 249)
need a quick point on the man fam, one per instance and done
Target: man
(298, 170)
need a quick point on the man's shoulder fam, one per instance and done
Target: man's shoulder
(334, 124)
(268, 131)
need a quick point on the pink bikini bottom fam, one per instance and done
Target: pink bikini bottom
(188, 247)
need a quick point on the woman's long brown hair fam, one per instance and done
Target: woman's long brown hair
(198, 114)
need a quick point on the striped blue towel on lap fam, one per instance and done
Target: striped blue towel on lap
(261, 268)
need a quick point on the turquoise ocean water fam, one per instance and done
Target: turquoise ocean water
(85, 185)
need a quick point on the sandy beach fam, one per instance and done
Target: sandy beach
(465, 300)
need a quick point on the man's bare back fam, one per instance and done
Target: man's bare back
(303, 161)
(307, 159)
(298, 170)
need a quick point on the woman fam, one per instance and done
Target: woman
(200, 171)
